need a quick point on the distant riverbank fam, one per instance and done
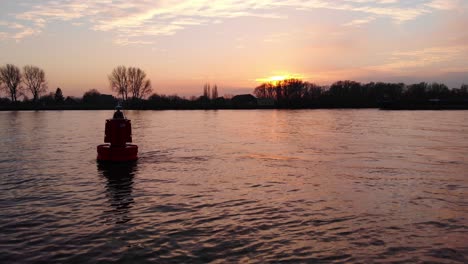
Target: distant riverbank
(381, 106)
(286, 94)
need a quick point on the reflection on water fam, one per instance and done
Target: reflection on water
(264, 186)
(119, 185)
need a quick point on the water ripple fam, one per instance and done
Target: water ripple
(236, 187)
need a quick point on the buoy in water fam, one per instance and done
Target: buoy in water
(118, 133)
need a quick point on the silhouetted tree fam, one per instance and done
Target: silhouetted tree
(11, 77)
(138, 85)
(48, 99)
(417, 90)
(345, 88)
(464, 89)
(265, 90)
(91, 96)
(71, 101)
(95, 98)
(260, 91)
(278, 91)
(4, 101)
(214, 94)
(118, 80)
(206, 91)
(34, 79)
(437, 90)
(312, 91)
(293, 89)
(58, 96)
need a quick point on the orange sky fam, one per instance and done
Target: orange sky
(184, 44)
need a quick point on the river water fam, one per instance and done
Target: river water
(237, 186)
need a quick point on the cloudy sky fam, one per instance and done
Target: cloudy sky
(236, 44)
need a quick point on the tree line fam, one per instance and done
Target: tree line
(295, 93)
(130, 84)
(134, 90)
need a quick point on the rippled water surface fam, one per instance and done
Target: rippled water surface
(237, 186)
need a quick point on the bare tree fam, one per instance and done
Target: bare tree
(34, 79)
(214, 94)
(261, 91)
(11, 76)
(118, 80)
(206, 90)
(138, 85)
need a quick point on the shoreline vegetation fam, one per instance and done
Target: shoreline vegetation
(134, 92)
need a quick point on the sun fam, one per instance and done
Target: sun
(278, 78)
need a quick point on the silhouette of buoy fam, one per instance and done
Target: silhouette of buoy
(118, 132)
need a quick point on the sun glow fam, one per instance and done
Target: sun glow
(278, 78)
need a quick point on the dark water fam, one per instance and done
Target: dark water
(237, 186)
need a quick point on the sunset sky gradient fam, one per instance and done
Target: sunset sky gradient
(236, 44)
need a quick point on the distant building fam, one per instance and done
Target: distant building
(244, 101)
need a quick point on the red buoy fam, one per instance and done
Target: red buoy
(118, 133)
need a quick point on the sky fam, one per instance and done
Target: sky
(236, 44)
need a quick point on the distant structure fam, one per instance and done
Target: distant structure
(244, 101)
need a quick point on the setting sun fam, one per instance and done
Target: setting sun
(277, 78)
